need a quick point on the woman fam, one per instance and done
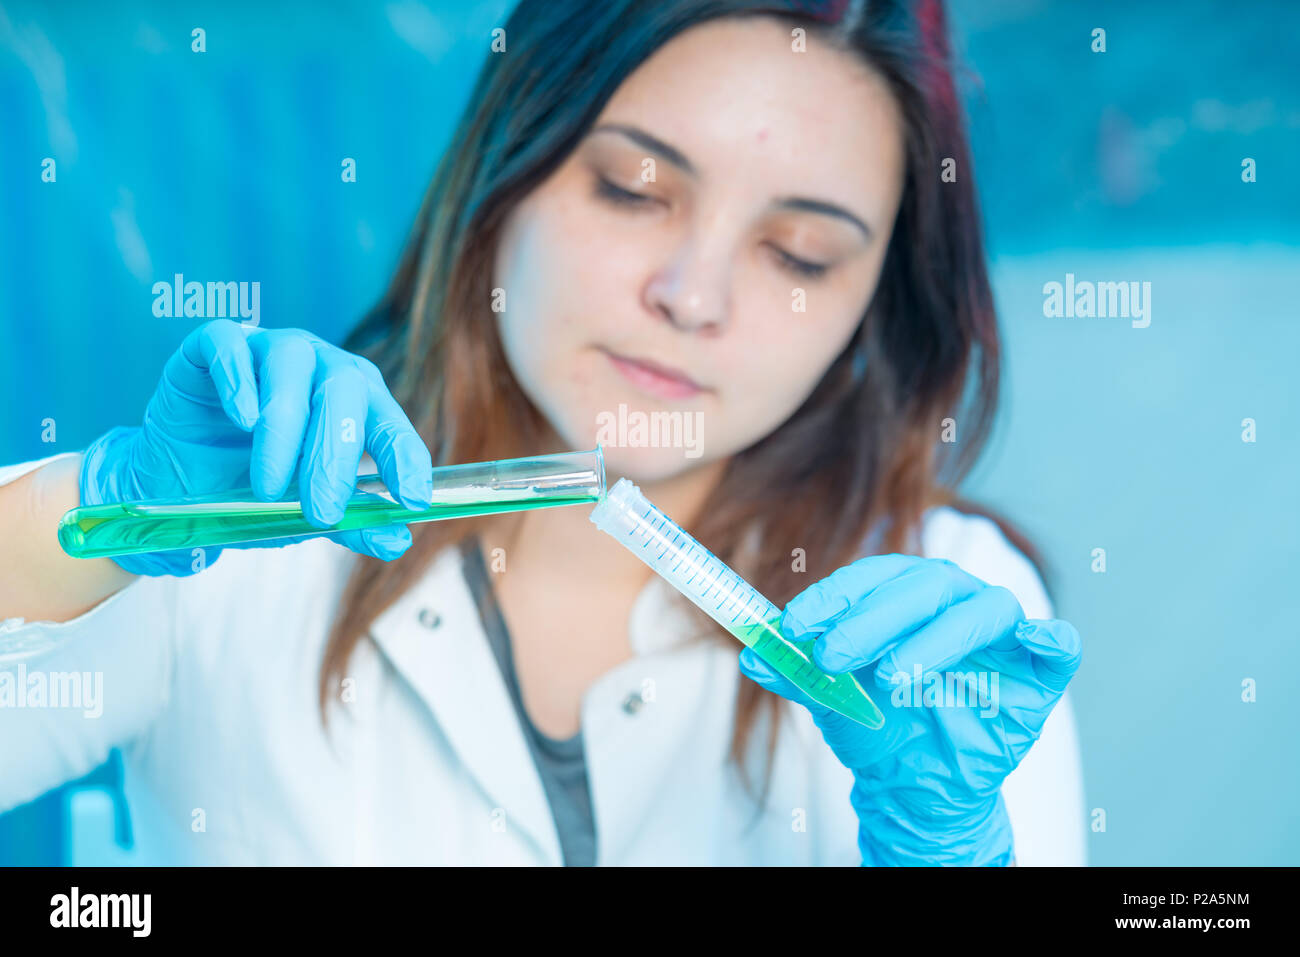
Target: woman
(733, 211)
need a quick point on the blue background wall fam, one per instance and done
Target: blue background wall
(1116, 166)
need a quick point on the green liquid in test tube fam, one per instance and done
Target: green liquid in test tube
(727, 598)
(238, 516)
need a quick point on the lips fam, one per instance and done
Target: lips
(655, 378)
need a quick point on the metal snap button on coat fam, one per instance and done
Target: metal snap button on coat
(633, 702)
(430, 618)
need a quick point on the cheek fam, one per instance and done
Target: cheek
(771, 379)
(531, 265)
(783, 354)
(559, 297)
(560, 272)
(773, 366)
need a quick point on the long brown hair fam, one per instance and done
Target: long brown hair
(855, 467)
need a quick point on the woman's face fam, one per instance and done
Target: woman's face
(707, 250)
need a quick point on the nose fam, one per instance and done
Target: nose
(692, 290)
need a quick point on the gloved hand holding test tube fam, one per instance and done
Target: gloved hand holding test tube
(237, 517)
(727, 598)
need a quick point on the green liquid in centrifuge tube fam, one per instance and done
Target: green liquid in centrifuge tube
(728, 599)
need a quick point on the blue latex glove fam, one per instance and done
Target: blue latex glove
(927, 786)
(215, 424)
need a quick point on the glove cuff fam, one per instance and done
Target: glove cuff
(106, 477)
(986, 841)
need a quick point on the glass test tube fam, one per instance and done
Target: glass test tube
(235, 517)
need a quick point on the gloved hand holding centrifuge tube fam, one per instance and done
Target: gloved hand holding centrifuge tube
(514, 653)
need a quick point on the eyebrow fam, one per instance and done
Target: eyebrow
(676, 158)
(652, 143)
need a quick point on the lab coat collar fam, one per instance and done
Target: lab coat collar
(433, 637)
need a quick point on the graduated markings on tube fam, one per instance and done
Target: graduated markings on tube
(658, 523)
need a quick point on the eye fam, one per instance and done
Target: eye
(799, 266)
(621, 197)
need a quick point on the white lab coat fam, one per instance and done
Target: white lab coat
(209, 686)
